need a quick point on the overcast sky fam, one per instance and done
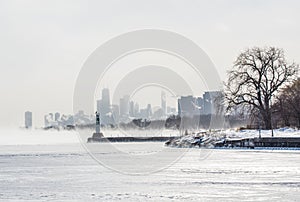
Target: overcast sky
(43, 44)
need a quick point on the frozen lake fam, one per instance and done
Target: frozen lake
(64, 171)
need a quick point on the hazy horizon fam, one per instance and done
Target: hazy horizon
(44, 44)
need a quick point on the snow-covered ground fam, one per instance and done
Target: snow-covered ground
(282, 132)
(208, 138)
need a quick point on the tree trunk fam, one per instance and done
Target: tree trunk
(267, 120)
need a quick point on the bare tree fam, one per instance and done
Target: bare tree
(256, 76)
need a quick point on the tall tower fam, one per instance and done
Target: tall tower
(28, 119)
(149, 111)
(104, 106)
(106, 99)
(124, 106)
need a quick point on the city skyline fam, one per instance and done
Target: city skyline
(128, 109)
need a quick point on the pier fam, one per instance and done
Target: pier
(98, 136)
(130, 139)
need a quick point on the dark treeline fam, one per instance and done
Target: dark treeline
(286, 108)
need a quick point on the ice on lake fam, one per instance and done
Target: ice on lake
(53, 166)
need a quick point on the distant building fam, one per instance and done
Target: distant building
(158, 114)
(28, 119)
(199, 106)
(136, 109)
(48, 119)
(56, 116)
(149, 110)
(144, 114)
(51, 116)
(67, 120)
(131, 109)
(210, 102)
(105, 101)
(80, 118)
(105, 109)
(186, 106)
(124, 107)
(171, 110)
(115, 114)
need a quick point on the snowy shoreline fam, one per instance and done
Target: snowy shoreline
(41, 137)
(229, 139)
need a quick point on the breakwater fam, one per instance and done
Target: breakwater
(130, 139)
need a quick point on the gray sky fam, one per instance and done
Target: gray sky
(43, 44)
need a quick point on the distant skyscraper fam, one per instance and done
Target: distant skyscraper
(186, 106)
(124, 106)
(199, 105)
(210, 102)
(149, 111)
(163, 103)
(105, 101)
(131, 109)
(115, 114)
(28, 119)
(99, 106)
(56, 116)
(105, 109)
(136, 109)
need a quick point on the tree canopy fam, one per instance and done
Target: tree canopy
(255, 77)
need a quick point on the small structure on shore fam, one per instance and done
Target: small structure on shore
(97, 134)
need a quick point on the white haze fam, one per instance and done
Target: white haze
(45, 43)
